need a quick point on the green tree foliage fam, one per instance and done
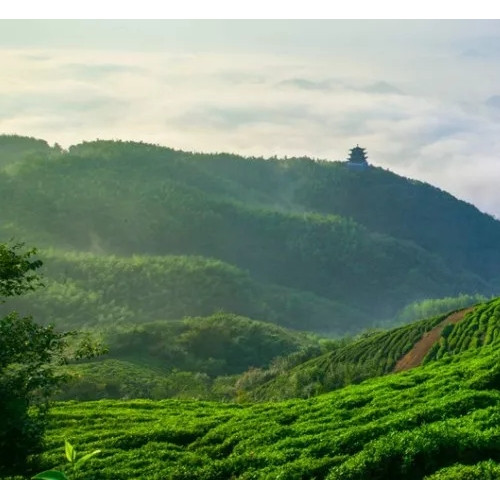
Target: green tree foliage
(27, 376)
(405, 209)
(29, 357)
(88, 291)
(432, 307)
(193, 358)
(17, 270)
(14, 148)
(26, 351)
(306, 225)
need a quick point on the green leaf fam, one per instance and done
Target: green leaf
(86, 457)
(50, 474)
(70, 451)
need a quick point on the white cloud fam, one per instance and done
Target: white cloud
(419, 112)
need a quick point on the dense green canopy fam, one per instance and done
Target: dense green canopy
(365, 242)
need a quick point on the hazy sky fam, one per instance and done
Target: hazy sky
(422, 96)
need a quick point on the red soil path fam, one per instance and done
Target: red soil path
(417, 353)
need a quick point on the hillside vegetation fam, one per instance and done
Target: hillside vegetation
(89, 291)
(370, 355)
(313, 227)
(14, 148)
(439, 421)
(184, 265)
(432, 307)
(194, 357)
(475, 330)
(376, 353)
(233, 358)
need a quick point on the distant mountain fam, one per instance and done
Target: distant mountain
(371, 242)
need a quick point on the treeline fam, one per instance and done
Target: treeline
(14, 148)
(432, 307)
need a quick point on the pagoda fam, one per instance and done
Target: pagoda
(357, 158)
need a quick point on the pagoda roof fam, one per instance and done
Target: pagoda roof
(357, 157)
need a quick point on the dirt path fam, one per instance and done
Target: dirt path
(417, 353)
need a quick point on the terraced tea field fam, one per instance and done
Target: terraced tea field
(441, 420)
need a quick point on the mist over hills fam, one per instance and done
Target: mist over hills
(366, 243)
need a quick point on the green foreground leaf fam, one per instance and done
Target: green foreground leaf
(70, 451)
(50, 474)
(86, 457)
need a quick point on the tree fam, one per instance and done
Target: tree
(17, 270)
(30, 359)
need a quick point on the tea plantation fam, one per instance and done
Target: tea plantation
(480, 328)
(438, 421)
(370, 355)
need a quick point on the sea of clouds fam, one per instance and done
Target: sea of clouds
(424, 99)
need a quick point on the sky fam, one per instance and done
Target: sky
(423, 97)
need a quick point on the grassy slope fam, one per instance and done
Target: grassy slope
(439, 420)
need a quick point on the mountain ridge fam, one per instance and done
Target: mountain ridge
(309, 225)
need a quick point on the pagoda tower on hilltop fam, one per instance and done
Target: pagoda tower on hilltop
(357, 158)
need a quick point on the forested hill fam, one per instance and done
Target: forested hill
(14, 148)
(368, 241)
